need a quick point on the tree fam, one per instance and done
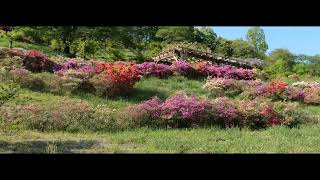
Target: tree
(256, 38)
(206, 36)
(175, 34)
(224, 47)
(242, 48)
(280, 53)
(11, 34)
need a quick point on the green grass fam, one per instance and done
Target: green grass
(274, 140)
(144, 90)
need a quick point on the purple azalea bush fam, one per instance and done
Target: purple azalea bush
(73, 64)
(154, 69)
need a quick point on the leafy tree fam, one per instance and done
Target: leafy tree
(279, 67)
(206, 36)
(242, 48)
(224, 47)
(12, 34)
(87, 47)
(256, 38)
(175, 34)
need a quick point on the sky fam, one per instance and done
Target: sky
(299, 40)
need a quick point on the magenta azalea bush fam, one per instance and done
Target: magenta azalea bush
(182, 111)
(228, 71)
(154, 69)
(176, 111)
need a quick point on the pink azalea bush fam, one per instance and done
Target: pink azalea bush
(176, 111)
(183, 111)
(226, 71)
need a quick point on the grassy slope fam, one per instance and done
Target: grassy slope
(44, 49)
(279, 139)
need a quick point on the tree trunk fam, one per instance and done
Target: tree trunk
(10, 44)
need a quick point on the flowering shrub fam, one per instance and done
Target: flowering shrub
(67, 115)
(11, 63)
(182, 111)
(295, 94)
(312, 95)
(80, 67)
(277, 87)
(153, 69)
(184, 68)
(225, 112)
(200, 66)
(223, 86)
(226, 71)
(262, 113)
(37, 62)
(303, 84)
(26, 79)
(114, 78)
(176, 111)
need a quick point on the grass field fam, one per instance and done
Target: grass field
(275, 140)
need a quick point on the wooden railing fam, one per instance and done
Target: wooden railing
(172, 54)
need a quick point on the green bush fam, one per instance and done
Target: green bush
(8, 90)
(28, 80)
(70, 116)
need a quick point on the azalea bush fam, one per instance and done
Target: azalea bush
(26, 79)
(223, 87)
(11, 63)
(182, 111)
(312, 95)
(38, 62)
(68, 115)
(183, 68)
(177, 111)
(114, 78)
(225, 71)
(262, 113)
(154, 69)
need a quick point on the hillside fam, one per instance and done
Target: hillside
(73, 110)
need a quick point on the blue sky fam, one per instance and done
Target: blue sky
(299, 40)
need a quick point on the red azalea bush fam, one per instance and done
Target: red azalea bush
(114, 78)
(37, 62)
(277, 87)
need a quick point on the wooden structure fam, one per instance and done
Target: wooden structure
(170, 55)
